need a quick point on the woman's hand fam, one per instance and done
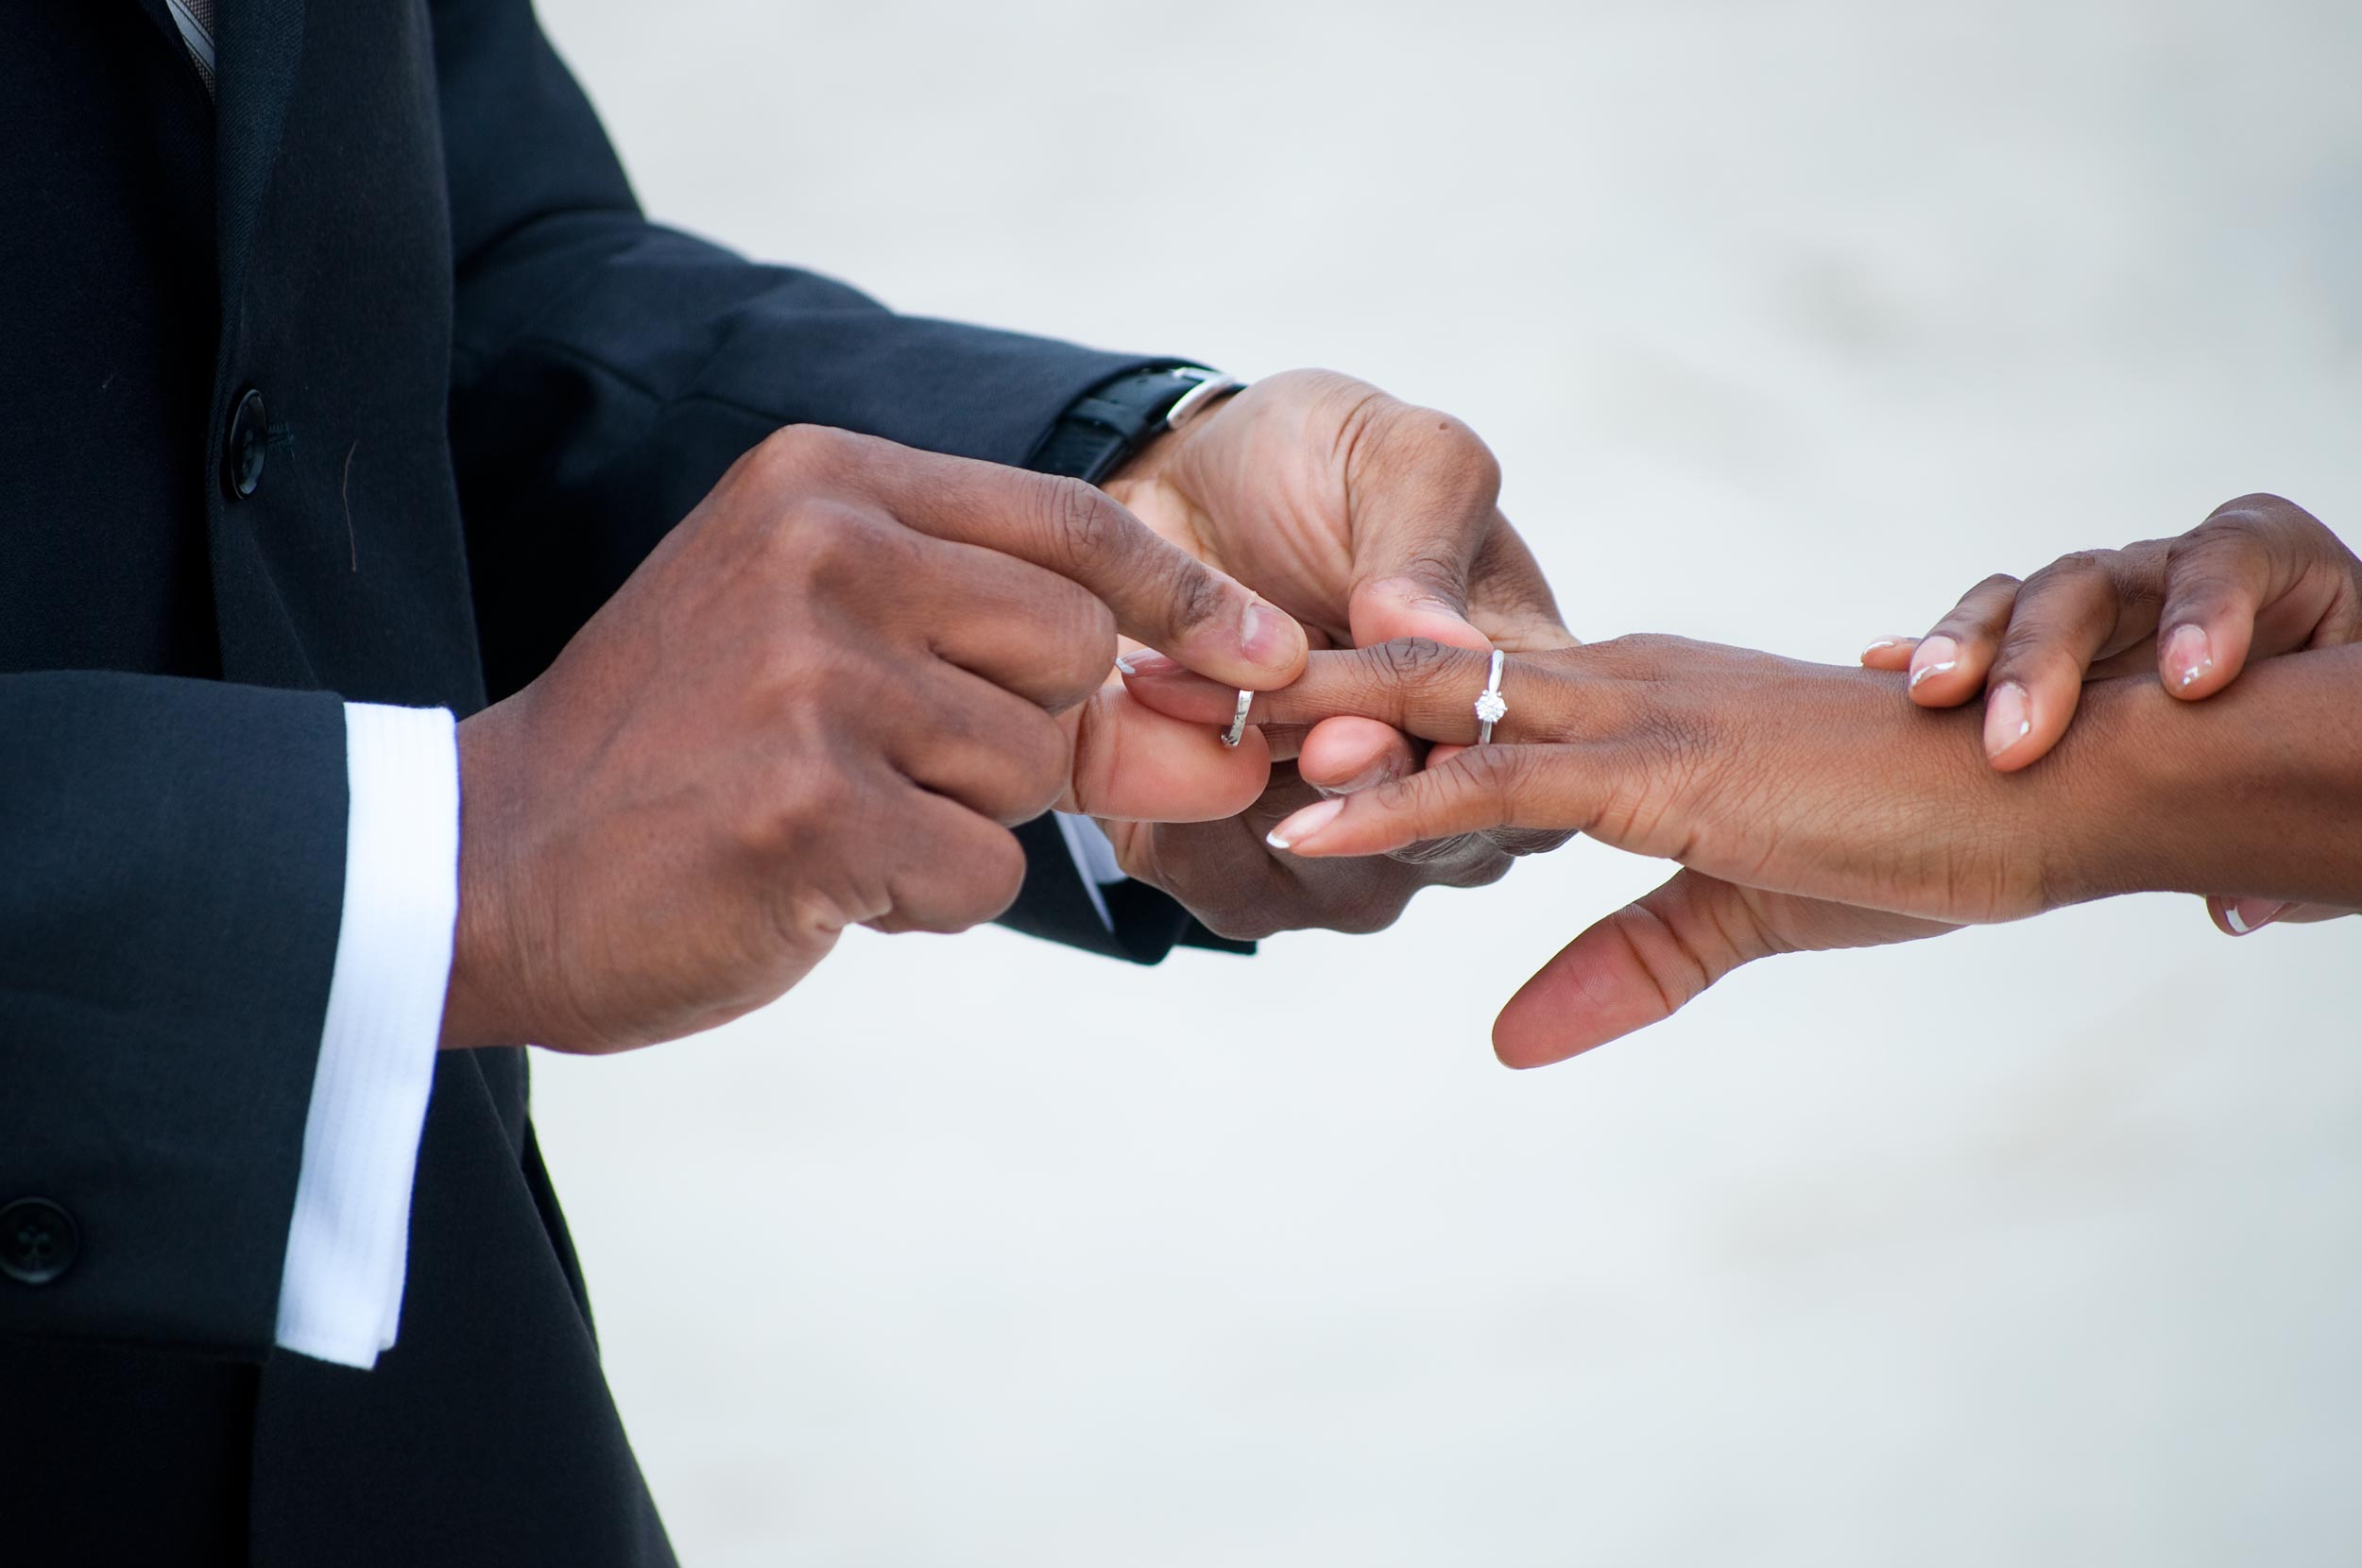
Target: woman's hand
(1814, 810)
(1791, 777)
(2259, 578)
(1641, 964)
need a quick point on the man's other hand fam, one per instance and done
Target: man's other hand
(1367, 519)
(820, 702)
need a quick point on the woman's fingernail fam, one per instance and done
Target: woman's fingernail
(2188, 655)
(1936, 656)
(1885, 642)
(1147, 661)
(1306, 823)
(2252, 914)
(2008, 719)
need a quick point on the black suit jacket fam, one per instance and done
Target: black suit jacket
(491, 384)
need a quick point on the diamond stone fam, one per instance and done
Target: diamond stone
(1489, 707)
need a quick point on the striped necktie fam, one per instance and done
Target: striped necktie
(194, 18)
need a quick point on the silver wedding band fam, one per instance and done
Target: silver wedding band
(1490, 709)
(1237, 731)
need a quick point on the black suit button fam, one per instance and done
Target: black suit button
(38, 1241)
(243, 446)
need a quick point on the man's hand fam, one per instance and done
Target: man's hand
(1367, 519)
(816, 703)
(1364, 517)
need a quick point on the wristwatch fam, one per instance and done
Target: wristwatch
(1116, 418)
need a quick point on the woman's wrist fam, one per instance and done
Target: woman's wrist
(2256, 790)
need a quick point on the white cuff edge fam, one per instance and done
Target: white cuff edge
(347, 1245)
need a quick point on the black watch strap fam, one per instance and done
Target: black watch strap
(1117, 417)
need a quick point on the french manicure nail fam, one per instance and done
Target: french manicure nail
(2008, 719)
(1305, 824)
(1936, 656)
(2252, 914)
(2188, 654)
(1147, 661)
(1885, 642)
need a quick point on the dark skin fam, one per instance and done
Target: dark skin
(1811, 807)
(824, 697)
(2260, 577)
(1367, 519)
(819, 703)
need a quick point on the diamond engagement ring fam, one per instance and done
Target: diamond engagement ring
(1490, 709)
(1238, 720)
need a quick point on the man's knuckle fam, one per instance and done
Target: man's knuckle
(1251, 921)
(816, 688)
(1517, 842)
(2254, 509)
(1488, 872)
(796, 818)
(803, 449)
(1085, 527)
(1360, 413)
(1075, 635)
(1374, 911)
(830, 543)
(783, 449)
(1040, 759)
(1448, 448)
(1480, 871)
(996, 874)
(835, 794)
(1441, 564)
(1081, 671)
(1197, 598)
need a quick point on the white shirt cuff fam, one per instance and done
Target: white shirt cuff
(1094, 861)
(348, 1245)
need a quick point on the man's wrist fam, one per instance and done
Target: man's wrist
(1105, 428)
(471, 1001)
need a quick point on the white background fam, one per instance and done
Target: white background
(2034, 1245)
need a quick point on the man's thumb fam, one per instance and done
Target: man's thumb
(1404, 604)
